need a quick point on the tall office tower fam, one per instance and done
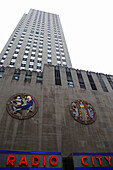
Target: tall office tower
(38, 39)
(51, 115)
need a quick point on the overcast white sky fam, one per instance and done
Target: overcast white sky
(87, 26)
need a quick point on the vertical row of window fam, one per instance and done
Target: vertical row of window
(49, 53)
(69, 77)
(80, 79)
(102, 82)
(93, 86)
(34, 47)
(61, 60)
(109, 80)
(2, 69)
(57, 76)
(16, 52)
(40, 49)
(33, 52)
(12, 41)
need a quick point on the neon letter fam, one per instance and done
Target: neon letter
(108, 159)
(33, 160)
(23, 160)
(11, 161)
(92, 160)
(44, 160)
(84, 157)
(56, 160)
(99, 158)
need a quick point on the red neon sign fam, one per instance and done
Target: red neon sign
(53, 160)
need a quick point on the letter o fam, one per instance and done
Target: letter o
(53, 163)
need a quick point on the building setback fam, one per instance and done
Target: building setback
(73, 110)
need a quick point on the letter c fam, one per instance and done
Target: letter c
(84, 157)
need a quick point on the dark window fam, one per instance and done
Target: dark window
(64, 60)
(28, 45)
(17, 47)
(2, 69)
(13, 39)
(12, 63)
(16, 52)
(49, 62)
(49, 57)
(39, 61)
(80, 79)
(69, 77)
(49, 53)
(30, 66)
(23, 65)
(33, 55)
(38, 67)
(27, 49)
(28, 76)
(34, 50)
(58, 64)
(16, 74)
(102, 82)
(25, 53)
(58, 59)
(1, 63)
(93, 86)
(24, 59)
(110, 81)
(40, 56)
(39, 77)
(31, 60)
(57, 76)
(14, 57)
(35, 42)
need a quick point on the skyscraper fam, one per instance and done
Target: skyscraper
(45, 104)
(38, 39)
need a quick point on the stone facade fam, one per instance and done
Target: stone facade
(53, 127)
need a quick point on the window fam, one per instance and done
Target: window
(28, 76)
(4, 57)
(23, 65)
(93, 86)
(24, 59)
(13, 60)
(102, 82)
(2, 69)
(64, 64)
(49, 62)
(26, 53)
(58, 62)
(80, 79)
(30, 66)
(12, 63)
(69, 77)
(39, 77)
(39, 67)
(16, 74)
(110, 81)
(39, 61)
(57, 76)
(33, 55)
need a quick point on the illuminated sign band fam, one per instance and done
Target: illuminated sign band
(16, 159)
(93, 161)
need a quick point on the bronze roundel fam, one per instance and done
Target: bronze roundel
(83, 112)
(22, 106)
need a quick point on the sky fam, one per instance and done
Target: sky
(87, 26)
